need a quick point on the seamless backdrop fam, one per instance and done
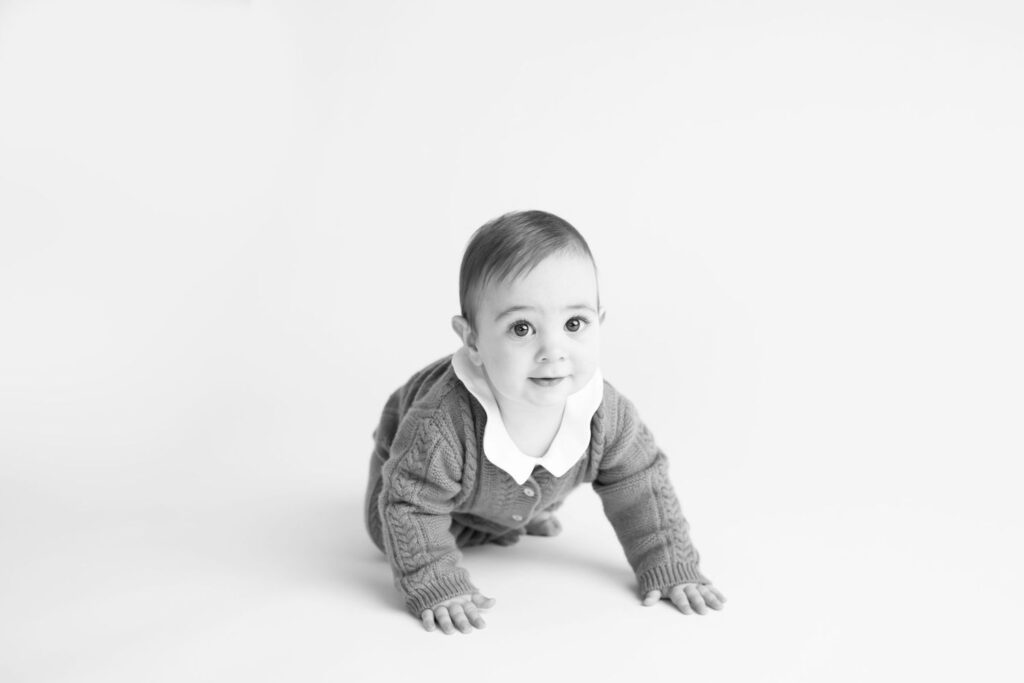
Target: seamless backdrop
(229, 229)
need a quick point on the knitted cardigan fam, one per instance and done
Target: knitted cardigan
(432, 490)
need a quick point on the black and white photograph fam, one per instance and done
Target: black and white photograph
(405, 340)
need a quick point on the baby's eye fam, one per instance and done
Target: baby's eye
(576, 324)
(520, 328)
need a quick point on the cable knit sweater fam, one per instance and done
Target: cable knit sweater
(432, 490)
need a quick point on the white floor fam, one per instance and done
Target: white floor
(270, 584)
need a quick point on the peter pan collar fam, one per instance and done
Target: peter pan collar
(569, 444)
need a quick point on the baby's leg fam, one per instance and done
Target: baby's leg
(466, 536)
(544, 524)
(383, 435)
(371, 512)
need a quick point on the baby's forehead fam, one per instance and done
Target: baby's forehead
(572, 280)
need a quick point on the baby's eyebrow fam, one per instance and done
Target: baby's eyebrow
(512, 309)
(516, 309)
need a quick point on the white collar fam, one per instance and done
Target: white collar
(569, 444)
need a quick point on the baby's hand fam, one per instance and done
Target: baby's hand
(689, 597)
(462, 612)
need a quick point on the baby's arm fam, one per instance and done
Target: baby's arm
(640, 502)
(420, 482)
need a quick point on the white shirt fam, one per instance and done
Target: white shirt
(570, 443)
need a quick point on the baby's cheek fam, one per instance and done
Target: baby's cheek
(506, 374)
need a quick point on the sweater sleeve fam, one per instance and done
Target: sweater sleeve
(421, 480)
(642, 506)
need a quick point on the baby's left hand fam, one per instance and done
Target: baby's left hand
(690, 597)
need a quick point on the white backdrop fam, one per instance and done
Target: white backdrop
(229, 229)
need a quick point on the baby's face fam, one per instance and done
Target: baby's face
(538, 337)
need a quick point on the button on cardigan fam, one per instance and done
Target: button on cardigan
(432, 490)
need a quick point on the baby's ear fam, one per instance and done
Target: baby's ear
(600, 315)
(464, 331)
(468, 337)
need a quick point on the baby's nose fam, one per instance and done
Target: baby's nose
(550, 351)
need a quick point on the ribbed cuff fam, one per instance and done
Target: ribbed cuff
(664, 577)
(438, 591)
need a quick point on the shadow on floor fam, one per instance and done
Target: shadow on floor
(323, 541)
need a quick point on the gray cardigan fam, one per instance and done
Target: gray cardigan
(432, 490)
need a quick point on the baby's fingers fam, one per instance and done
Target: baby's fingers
(651, 598)
(696, 599)
(713, 598)
(444, 620)
(459, 618)
(427, 617)
(680, 600)
(473, 615)
(482, 602)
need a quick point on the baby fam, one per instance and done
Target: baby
(484, 445)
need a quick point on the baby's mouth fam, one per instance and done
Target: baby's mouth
(546, 381)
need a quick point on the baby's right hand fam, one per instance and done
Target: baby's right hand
(462, 612)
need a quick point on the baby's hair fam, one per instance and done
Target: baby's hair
(510, 246)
